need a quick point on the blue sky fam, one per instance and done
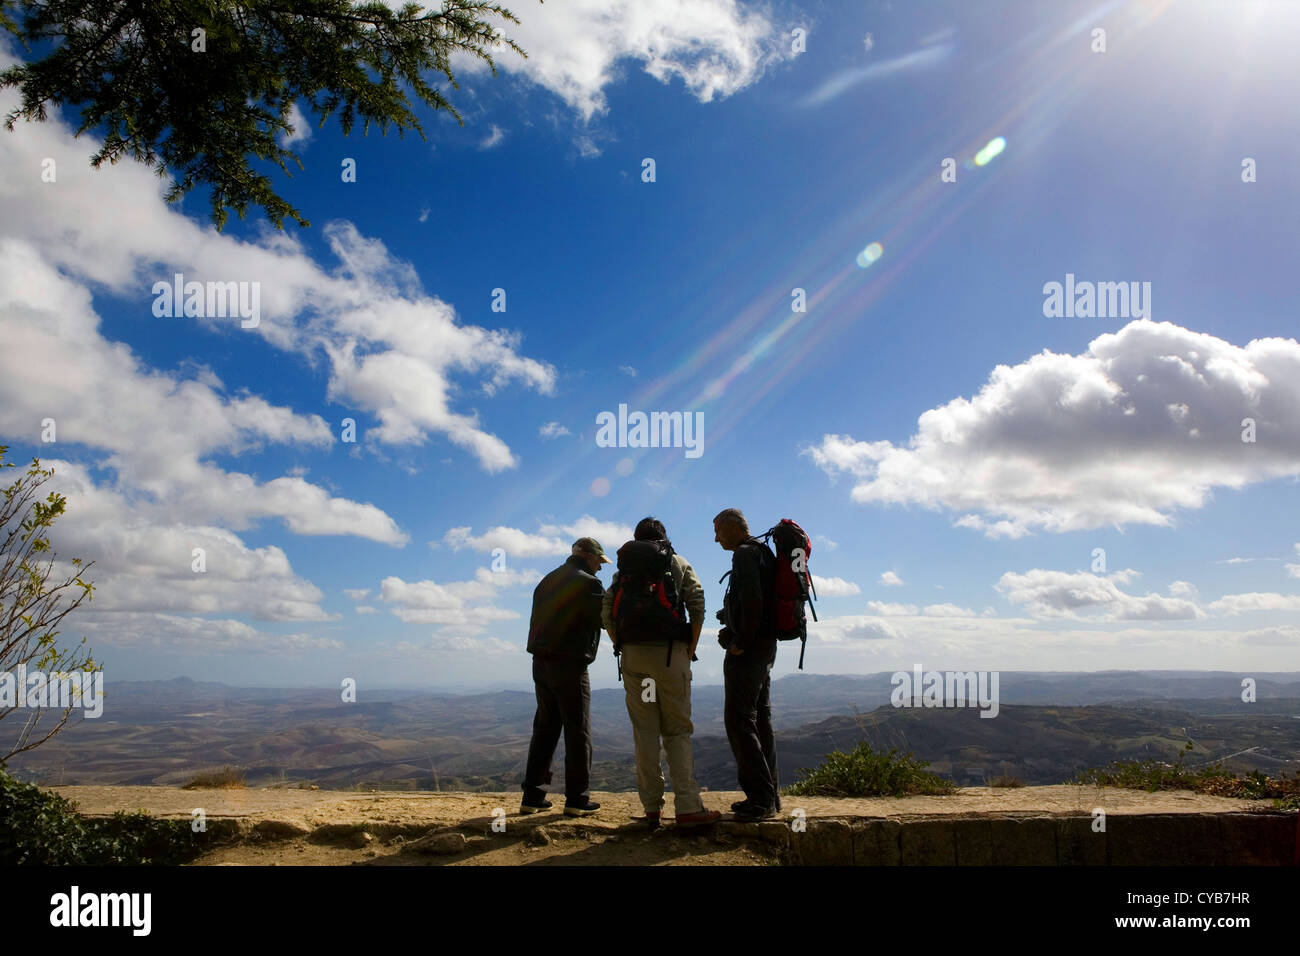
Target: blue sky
(955, 509)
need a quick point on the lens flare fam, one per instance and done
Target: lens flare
(870, 254)
(990, 152)
(600, 487)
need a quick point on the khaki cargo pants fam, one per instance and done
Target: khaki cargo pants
(659, 705)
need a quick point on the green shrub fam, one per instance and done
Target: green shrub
(41, 828)
(1215, 780)
(864, 773)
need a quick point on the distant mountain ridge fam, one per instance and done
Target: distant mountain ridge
(1050, 725)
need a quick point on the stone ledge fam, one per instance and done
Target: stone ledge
(1044, 826)
(1262, 838)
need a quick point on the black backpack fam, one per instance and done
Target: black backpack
(647, 608)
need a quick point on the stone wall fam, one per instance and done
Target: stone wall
(1266, 838)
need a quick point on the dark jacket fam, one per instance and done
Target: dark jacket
(750, 600)
(566, 614)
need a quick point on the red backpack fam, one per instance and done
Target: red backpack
(794, 584)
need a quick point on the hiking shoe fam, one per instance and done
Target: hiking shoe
(754, 815)
(526, 807)
(651, 819)
(698, 819)
(580, 809)
(740, 805)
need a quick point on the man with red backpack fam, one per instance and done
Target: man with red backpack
(645, 612)
(750, 638)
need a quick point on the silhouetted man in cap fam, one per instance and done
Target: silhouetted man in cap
(563, 636)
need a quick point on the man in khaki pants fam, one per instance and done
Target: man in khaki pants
(644, 612)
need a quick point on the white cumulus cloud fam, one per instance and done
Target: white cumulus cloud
(552, 430)
(197, 635)
(1145, 422)
(457, 607)
(549, 539)
(301, 127)
(834, 587)
(393, 350)
(1233, 604)
(577, 48)
(889, 609)
(1065, 594)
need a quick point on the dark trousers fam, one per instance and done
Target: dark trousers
(563, 703)
(747, 713)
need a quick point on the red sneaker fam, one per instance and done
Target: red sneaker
(702, 818)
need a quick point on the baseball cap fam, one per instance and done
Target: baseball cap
(591, 546)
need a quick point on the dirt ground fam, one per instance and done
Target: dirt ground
(333, 828)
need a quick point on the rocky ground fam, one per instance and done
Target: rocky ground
(269, 827)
